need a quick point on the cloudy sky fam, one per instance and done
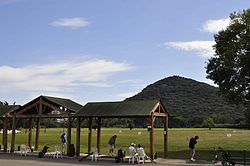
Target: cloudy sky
(105, 50)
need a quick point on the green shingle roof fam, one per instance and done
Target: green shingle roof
(118, 109)
(67, 103)
(4, 109)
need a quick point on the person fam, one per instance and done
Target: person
(141, 151)
(131, 149)
(192, 143)
(111, 144)
(63, 140)
(132, 152)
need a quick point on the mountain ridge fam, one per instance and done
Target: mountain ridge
(189, 101)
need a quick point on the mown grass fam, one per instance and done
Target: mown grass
(178, 140)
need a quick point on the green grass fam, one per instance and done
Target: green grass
(178, 140)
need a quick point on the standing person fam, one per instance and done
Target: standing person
(64, 141)
(192, 143)
(111, 144)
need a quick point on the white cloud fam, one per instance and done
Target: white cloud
(201, 48)
(59, 77)
(213, 26)
(73, 23)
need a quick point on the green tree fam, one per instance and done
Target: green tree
(208, 123)
(230, 66)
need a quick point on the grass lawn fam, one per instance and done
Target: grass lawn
(178, 140)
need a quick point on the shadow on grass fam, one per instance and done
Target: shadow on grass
(64, 160)
(204, 154)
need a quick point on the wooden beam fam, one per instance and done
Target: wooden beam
(56, 108)
(90, 135)
(159, 114)
(155, 107)
(78, 136)
(166, 137)
(30, 132)
(151, 123)
(98, 137)
(27, 108)
(37, 133)
(39, 111)
(41, 116)
(5, 134)
(12, 149)
(68, 133)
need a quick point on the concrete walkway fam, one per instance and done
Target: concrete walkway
(17, 160)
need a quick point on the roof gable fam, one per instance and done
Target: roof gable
(50, 107)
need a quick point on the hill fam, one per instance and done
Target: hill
(189, 102)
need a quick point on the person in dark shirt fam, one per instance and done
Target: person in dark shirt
(192, 143)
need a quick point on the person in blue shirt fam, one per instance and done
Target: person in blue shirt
(63, 140)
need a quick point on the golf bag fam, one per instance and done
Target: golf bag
(43, 152)
(226, 157)
(120, 156)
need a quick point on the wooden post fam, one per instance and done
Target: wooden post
(151, 123)
(90, 135)
(68, 133)
(40, 109)
(37, 133)
(12, 149)
(30, 132)
(166, 137)
(5, 134)
(98, 138)
(78, 136)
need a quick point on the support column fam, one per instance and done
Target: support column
(90, 135)
(30, 132)
(166, 137)
(78, 136)
(5, 134)
(151, 123)
(37, 133)
(12, 149)
(98, 138)
(68, 133)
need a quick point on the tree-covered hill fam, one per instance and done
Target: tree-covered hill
(189, 102)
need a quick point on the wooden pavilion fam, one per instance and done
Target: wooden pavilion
(126, 109)
(5, 110)
(44, 107)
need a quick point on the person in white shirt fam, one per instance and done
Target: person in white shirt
(132, 150)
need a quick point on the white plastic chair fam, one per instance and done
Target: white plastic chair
(95, 155)
(23, 150)
(56, 153)
(141, 156)
(8, 147)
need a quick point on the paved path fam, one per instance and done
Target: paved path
(17, 160)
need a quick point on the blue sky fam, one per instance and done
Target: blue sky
(90, 50)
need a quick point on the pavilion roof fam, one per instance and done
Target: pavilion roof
(140, 108)
(49, 105)
(5, 109)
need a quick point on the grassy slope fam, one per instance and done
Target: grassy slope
(178, 140)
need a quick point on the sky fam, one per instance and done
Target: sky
(92, 50)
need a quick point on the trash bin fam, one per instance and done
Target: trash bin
(71, 150)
